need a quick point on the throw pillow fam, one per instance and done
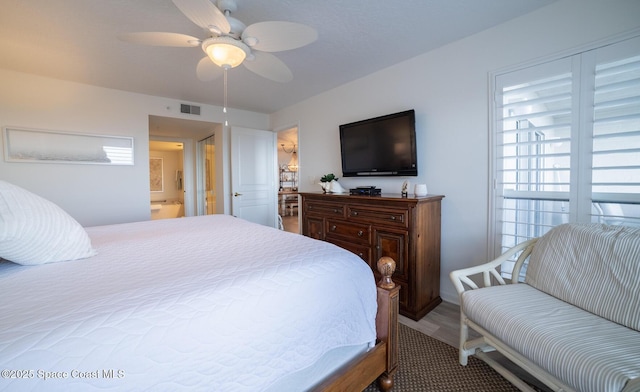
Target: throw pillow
(35, 231)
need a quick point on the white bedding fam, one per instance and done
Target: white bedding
(205, 303)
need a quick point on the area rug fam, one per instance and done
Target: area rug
(427, 364)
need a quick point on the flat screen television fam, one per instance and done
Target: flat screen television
(380, 146)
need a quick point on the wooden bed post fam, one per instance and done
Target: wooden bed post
(387, 319)
(381, 361)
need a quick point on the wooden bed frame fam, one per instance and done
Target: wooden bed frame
(380, 362)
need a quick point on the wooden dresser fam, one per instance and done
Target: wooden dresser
(404, 228)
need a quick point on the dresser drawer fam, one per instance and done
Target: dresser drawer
(386, 216)
(324, 209)
(363, 251)
(347, 231)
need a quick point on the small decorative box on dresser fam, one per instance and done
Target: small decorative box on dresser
(404, 228)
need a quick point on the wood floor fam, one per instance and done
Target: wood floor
(291, 224)
(442, 323)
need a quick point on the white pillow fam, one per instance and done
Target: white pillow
(36, 231)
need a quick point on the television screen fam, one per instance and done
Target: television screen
(381, 146)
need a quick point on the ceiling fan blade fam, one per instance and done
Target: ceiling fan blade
(207, 70)
(204, 14)
(278, 36)
(269, 66)
(160, 39)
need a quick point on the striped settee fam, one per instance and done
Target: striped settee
(574, 323)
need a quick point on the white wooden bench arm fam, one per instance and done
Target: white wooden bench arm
(461, 277)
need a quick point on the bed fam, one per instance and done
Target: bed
(200, 303)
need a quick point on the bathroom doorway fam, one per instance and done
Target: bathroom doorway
(166, 179)
(189, 133)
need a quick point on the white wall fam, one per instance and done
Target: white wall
(448, 88)
(93, 194)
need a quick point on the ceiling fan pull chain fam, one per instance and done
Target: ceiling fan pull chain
(224, 109)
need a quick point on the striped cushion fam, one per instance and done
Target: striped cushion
(593, 266)
(587, 352)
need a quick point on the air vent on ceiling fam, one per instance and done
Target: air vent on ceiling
(189, 109)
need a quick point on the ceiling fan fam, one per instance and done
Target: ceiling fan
(230, 43)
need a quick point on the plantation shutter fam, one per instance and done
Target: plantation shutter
(567, 144)
(533, 162)
(616, 135)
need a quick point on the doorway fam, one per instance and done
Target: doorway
(166, 182)
(289, 178)
(188, 132)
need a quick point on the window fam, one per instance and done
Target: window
(567, 144)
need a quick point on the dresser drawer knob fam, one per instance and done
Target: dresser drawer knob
(360, 233)
(333, 228)
(335, 210)
(393, 217)
(354, 213)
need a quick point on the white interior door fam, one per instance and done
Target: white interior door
(253, 179)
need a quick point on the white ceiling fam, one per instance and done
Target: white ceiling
(77, 40)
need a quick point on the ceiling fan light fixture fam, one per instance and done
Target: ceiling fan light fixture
(225, 52)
